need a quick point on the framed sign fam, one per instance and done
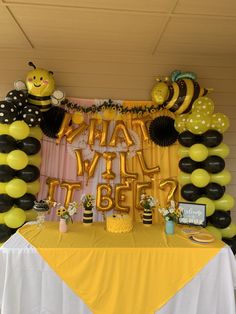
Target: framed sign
(193, 214)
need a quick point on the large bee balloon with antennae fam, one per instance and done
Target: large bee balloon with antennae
(178, 94)
(41, 96)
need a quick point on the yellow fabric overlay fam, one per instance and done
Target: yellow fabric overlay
(136, 272)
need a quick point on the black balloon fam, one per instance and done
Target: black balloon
(31, 115)
(5, 232)
(213, 164)
(29, 174)
(188, 165)
(212, 138)
(6, 202)
(8, 112)
(18, 98)
(187, 138)
(220, 219)
(6, 173)
(214, 191)
(231, 243)
(190, 192)
(29, 145)
(26, 201)
(7, 143)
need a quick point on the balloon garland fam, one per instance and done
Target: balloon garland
(203, 175)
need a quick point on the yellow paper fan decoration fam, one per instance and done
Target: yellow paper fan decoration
(77, 118)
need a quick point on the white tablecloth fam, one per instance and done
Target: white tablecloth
(29, 286)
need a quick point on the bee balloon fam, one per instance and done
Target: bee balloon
(179, 94)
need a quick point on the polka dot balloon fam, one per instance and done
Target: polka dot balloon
(31, 115)
(8, 112)
(198, 123)
(18, 98)
(203, 104)
(219, 122)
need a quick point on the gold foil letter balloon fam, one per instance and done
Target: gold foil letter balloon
(104, 202)
(120, 197)
(173, 187)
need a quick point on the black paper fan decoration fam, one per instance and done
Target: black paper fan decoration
(52, 120)
(162, 131)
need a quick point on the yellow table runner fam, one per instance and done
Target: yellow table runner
(132, 273)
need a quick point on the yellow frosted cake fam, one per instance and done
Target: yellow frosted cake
(119, 223)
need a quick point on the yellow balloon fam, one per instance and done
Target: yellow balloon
(221, 150)
(226, 202)
(184, 178)
(222, 178)
(215, 232)
(19, 130)
(219, 122)
(198, 152)
(17, 159)
(198, 122)
(210, 206)
(4, 128)
(203, 104)
(2, 218)
(183, 151)
(229, 232)
(16, 188)
(36, 132)
(180, 123)
(160, 92)
(77, 117)
(200, 177)
(2, 187)
(33, 187)
(15, 217)
(109, 114)
(31, 215)
(3, 159)
(35, 160)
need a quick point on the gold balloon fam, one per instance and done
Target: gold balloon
(221, 150)
(109, 174)
(80, 166)
(64, 127)
(16, 188)
(52, 185)
(36, 132)
(17, 159)
(77, 117)
(33, 187)
(70, 187)
(15, 217)
(120, 197)
(19, 130)
(147, 171)
(97, 133)
(173, 187)
(72, 133)
(123, 171)
(104, 202)
(143, 128)
(35, 159)
(140, 189)
(4, 128)
(91, 167)
(120, 126)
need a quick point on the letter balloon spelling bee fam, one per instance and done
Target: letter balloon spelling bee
(178, 94)
(36, 99)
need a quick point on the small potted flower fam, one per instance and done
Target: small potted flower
(66, 215)
(171, 215)
(88, 202)
(148, 203)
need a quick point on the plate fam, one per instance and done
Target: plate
(203, 237)
(190, 231)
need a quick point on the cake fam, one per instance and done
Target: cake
(119, 223)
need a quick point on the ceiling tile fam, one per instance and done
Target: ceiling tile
(226, 7)
(135, 5)
(89, 29)
(206, 36)
(10, 35)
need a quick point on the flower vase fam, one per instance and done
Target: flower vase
(169, 227)
(63, 225)
(88, 216)
(147, 217)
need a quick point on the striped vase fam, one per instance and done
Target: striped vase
(147, 217)
(88, 216)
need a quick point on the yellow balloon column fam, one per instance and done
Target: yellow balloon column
(19, 175)
(203, 176)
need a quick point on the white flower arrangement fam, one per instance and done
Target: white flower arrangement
(171, 212)
(67, 213)
(147, 201)
(88, 201)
